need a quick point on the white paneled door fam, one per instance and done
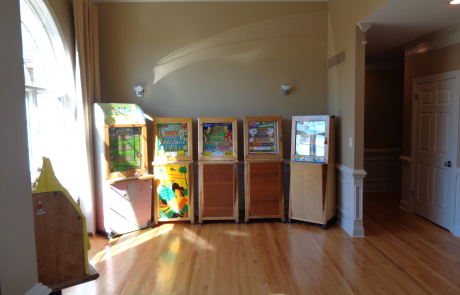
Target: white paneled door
(435, 147)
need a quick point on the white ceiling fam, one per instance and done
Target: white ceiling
(400, 21)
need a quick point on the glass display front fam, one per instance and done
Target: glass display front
(172, 139)
(217, 139)
(263, 138)
(125, 147)
(310, 141)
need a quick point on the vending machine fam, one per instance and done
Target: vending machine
(218, 169)
(124, 185)
(312, 196)
(173, 170)
(263, 168)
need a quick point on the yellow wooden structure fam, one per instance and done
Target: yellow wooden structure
(62, 243)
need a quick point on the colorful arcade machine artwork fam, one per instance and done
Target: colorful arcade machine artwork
(172, 190)
(173, 170)
(263, 138)
(217, 139)
(125, 146)
(172, 139)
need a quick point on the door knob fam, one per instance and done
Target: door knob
(448, 164)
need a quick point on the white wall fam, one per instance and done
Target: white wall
(18, 268)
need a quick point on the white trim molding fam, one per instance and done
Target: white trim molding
(405, 158)
(350, 199)
(456, 224)
(39, 289)
(405, 202)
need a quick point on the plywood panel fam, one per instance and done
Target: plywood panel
(218, 194)
(59, 239)
(306, 192)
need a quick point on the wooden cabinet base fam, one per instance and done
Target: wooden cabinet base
(312, 193)
(264, 191)
(218, 191)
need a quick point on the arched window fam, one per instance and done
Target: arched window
(51, 110)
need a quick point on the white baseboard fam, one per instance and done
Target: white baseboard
(456, 232)
(39, 289)
(404, 205)
(350, 200)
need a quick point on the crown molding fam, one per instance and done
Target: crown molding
(434, 41)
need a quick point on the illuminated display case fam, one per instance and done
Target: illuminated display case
(218, 169)
(173, 170)
(124, 185)
(263, 167)
(312, 196)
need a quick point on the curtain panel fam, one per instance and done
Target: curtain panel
(88, 91)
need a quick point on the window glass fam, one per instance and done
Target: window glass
(50, 109)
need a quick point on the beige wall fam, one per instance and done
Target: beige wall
(18, 268)
(216, 59)
(431, 63)
(346, 81)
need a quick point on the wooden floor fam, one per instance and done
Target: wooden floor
(402, 253)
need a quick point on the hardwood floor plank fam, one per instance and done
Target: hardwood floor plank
(402, 253)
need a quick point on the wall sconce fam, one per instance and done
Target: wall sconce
(286, 89)
(139, 91)
(455, 2)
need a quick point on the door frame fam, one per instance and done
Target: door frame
(454, 205)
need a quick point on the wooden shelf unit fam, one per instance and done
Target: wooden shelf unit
(263, 168)
(218, 169)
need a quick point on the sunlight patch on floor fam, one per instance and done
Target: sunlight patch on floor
(236, 233)
(115, 247)
(199, 241)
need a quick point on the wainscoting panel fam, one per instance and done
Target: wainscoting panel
(383, 168)
(405, 183)
(350, 200)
